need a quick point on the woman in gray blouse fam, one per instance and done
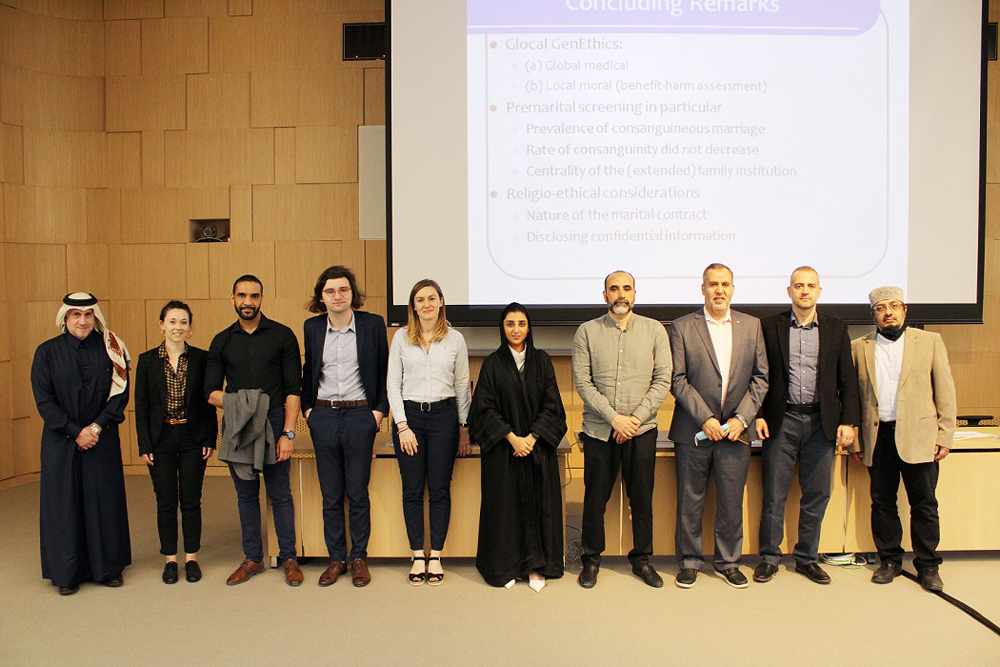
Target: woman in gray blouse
(429, 397)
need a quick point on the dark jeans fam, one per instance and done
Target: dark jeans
(601, 461)
(730, 462)
(920, 482)
(801, 439)
(177, 465)
(437, 445)
(278, 490)
(343, 440)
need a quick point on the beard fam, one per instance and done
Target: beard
(244, 316)
(620, 307)
(892, 332)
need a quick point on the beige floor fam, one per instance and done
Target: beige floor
(621, 621)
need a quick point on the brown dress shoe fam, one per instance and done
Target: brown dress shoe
(247, 569)
(332, 572)
(293, 575)
(359, 572)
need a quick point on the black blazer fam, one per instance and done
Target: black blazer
(837, 377)
(373, 358)
(151, 400)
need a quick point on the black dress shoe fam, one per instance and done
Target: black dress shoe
(588, 577)
(813, 571)
(886, 572)
(170, 572)
(69, 590)
(114, 582)
(764, 572)
(648, 575)
(686, 577)
(734, 577)
(930, 579)
(192, 571)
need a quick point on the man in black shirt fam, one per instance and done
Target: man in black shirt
(258, 353)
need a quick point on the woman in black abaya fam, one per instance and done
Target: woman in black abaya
(517, 418)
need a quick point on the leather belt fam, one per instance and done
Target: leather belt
(431, 406)
(175, 422)
(339, 405)
(802, 408)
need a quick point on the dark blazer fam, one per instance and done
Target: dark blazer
(836, 375)
(373, 358)
(151, 400)
(697, 380)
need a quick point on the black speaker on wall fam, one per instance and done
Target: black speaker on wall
(364, 41)
(991, 41)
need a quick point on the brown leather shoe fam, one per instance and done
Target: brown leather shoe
(247, 569)
(359, 572)
(332, 572)
(293, 575)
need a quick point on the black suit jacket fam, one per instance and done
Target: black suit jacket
(373, 358)
(151, 400)
(836, 376)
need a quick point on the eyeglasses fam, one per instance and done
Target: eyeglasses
(892, 305)
(342, 290)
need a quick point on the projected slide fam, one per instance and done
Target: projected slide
(660, 135)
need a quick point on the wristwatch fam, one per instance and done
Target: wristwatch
(95, 429)
(289, 434)
(743, 421)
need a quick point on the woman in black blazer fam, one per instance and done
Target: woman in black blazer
(176, 429)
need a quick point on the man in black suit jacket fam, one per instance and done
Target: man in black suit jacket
(344, 400)
(811, 405)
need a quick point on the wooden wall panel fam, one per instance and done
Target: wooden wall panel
(315, 97)
(241, 213)
(326, 154)
(218, 100)
(6, 449)
(81, 10)
(240, 7)
(127, 318)
(147, 102)
(172, 45)
(13, 154)
(125, 159)
(41, 271)
(197, 270)
(326, 212)
(321, 39)
(123, 48)
(12, 94)
(297, 265)
(374, 96)
(26, 432)
(22, 397)
(6, 389)
(375, 278)
(228, 261)
(355, 257)
(3, 218)
(196, 7)
(132, 9)
(65, 159)
(229, 44)
(285, 139)
(45, 215)
(63, 102)
(200, 158)
(272, 43)
(104, 216)
(310, 7)
(153, 175)
(152, 271)
(290, 312)
(4, 331)
(51, 44)
(36, 323)
(163, 215)
(87, 266)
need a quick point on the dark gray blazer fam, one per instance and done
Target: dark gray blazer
(697, 381)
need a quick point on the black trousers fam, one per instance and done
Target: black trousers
(178, 472)
(601, 461)
(432, 465)
(800, 439)
(920, 482)
(343, 439)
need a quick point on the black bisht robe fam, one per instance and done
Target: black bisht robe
(84, 518)
(520, 519)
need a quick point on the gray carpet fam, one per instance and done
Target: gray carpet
(464, 621)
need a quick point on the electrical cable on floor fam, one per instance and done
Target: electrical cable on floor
(855, 561)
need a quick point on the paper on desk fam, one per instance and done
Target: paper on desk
(972, 435)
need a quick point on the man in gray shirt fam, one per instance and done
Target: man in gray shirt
(621, 369)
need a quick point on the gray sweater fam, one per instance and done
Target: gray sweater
(247, 439)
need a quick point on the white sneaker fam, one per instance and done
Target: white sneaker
(510, 584)
(537, 584)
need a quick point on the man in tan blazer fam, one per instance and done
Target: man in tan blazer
(907, 425)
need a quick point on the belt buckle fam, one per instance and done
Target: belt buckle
(423, 403)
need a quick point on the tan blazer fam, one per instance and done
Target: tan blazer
(925, 400)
